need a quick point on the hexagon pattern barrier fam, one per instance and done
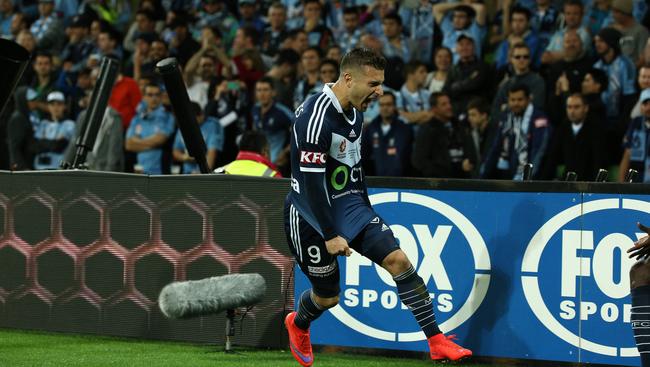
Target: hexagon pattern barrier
(90, 252)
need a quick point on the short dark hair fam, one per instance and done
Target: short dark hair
(351, 10)
(147, 13)
(43, 53)
(412, 67)
(433, 99)
(393, 16)
(579, 95)
(478, 103)
(600, 77)
(390, 94)
(520, 10)
(330, 62)
(520, 45)
(267, 80)
(253, 141)
(519, 87)
(288, 56)
(251, 33)
(358, 57)
(577, 3)
(316, 49)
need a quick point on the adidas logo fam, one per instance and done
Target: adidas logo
(384, 227)
(353, 134)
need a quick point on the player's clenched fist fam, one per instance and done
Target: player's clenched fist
(338, 246)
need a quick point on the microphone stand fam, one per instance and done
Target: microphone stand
(85, 142)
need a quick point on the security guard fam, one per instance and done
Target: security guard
(253, 158)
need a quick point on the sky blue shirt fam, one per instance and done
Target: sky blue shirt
(145, 125)
(52, 130)
(212, 134)
(474, 31)
(622, 79)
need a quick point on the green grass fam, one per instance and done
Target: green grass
(35, 349)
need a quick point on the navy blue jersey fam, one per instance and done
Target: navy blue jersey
(327, 180)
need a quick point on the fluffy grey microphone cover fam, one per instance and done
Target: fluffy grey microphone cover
(181, 300)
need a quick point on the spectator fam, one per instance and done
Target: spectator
(215, 14)
(79, 46)
(376, 13)
(413, 104)
(442, 64)
(200, 77)
(107, 45)
(577, 143)
(318, 35)
(182, 45)
(144, 23)
(593, 85)
(149, 131)
(481, 130)
(125, 98)
(621, 72)
(283, 74)
(387, 141)
(350, 35)
(519, 31)
(56, 131)
(48, 29)
(253, 158)
(467, 20)
(335, 53)
(644, 83)
(42, 84)
(599, 15)
(520, 62)
(522, 137)
(212, 133)
(329, 71)
(419, 24)
(276, 31)
(26, 39)
(635, 143)
(309, 82)
(107, 153)
(271, 118)
(469, 78)
(633, 34)
(573, 12)
(249, 16)
(19, 23)
(442, 146)
(296, 40)
(565, 77)
(21, 143)
(395, 44)
(6, 15)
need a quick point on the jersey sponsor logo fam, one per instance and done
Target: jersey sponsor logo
(342, 174)
(313, 157)
(575, 275)
(423, 226)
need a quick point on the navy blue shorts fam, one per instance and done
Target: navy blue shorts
(375, 242)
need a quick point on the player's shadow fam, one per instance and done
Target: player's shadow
(492, 325)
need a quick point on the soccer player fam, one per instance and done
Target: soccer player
(640, 291)
(328, 213)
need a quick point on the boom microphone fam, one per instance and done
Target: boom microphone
(182, 300)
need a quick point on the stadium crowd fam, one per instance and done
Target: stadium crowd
(473, 89)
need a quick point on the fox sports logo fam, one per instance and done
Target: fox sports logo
(575, 274)
(446, 250)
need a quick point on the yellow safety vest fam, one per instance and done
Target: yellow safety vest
(249, 168)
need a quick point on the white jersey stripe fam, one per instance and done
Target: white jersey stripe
(314, 114)
(320, 121)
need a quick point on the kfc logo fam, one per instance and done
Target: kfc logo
(313, 157)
